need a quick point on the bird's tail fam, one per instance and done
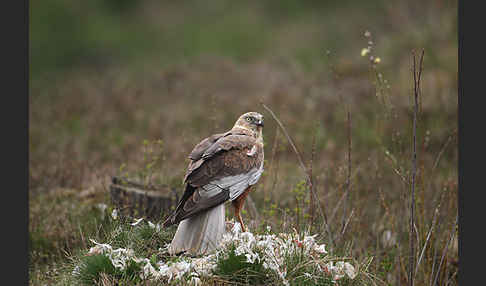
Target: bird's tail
(199, 234)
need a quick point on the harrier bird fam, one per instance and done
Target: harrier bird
(223, 167)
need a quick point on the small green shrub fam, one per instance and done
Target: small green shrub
(92, 266)
(235, 268)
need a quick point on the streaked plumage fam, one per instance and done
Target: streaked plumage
(223, 168)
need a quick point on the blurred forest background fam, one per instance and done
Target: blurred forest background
(107, 75)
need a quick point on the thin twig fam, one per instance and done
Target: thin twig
(302, 165)
(449, 139)
(291, 142)
(439, 156)
(338, 204)
(417, 236)
(414, 170)
(347, 221)
(274, 158)
(336, 207)
(348, 178)
(414, 165)
(425, 244)
(453, 232)
(267, 185)
(312, 201)
(434, 257)
(434, 220)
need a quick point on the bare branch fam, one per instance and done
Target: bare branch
(312, 201)
(416, 80)
(348, 178)
(347, 221)
(291, 142)
(303, 167)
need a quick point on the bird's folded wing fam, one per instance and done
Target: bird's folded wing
(223, 172)
(199, 201)
(227, 156)
(217, 192)
(202, 146)
(236, 184)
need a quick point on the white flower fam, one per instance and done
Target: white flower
(236, 228)
(204, 265)
(114, 214)
(164, 270)
(76, 270)
(148, 271)
(336, 272)
(270, 249)
(180, 268)
(118, 257)
(349, 269)
(156, 226)
(137, 222)
(195, 281)
(364, 52)
(99, 248)
(340, 269)
(320, 248)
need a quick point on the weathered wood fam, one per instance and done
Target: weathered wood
(137, 200)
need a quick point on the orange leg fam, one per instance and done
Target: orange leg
(238, 205)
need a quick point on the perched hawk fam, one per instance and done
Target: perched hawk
(223, 167)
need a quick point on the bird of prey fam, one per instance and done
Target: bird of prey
(223, 167)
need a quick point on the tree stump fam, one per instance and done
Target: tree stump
(138, 200)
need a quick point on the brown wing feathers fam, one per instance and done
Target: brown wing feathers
(196, 204)
(200, 148)
(226, 157)
(217, 156)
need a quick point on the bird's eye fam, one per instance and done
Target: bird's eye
(248, 119)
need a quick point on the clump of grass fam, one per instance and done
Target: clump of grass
(144, 239)
(131, 249)
(235, 268)
(301, 271)
(59, 221)
(92, 267)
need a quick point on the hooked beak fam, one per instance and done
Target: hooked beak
(260, 123)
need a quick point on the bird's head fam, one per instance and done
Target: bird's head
(252, 121)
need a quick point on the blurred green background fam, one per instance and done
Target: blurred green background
(65, 35)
